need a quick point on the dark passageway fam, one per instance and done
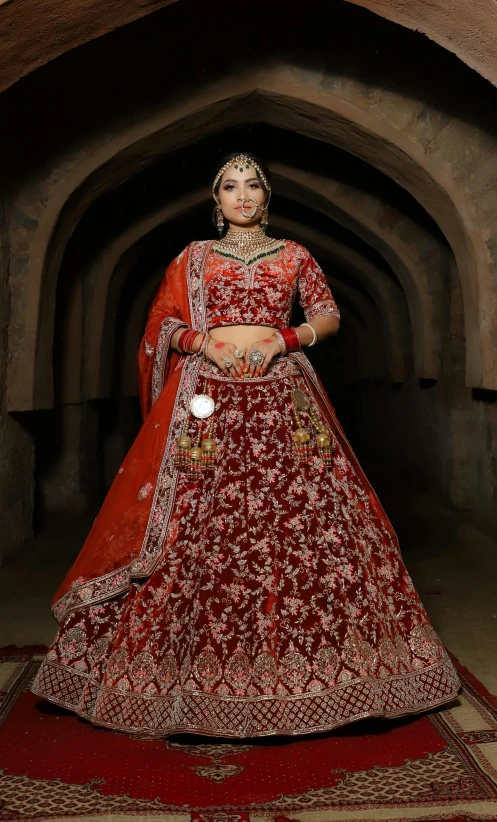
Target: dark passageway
(383, 150)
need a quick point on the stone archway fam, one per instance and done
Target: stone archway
(439, 151)
(468, 31)
(340, 121)
(414, 255)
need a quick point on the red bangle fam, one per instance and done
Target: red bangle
(181, 340)
(203, 335)
(291, 338)
(185, 341)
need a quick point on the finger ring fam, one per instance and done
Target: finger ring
(227, 362)
(238, 353)
(256, 358)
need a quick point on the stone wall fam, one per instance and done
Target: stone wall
(16, 441)
(38, 31)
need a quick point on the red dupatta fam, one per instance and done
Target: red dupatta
(127, 538)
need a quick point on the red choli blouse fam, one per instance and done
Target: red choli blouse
(263, 293)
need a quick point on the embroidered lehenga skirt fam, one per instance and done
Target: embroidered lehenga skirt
(279, 605)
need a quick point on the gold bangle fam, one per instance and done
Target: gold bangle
(203, 349)
(281, 342)
(314, 333)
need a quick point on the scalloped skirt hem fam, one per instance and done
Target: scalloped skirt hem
(207, 714)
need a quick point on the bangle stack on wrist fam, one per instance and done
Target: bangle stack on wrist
(186, 340)
(288, 340)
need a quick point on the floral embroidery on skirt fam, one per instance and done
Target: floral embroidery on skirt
(280, 605)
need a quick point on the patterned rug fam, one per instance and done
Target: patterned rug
(54, 765)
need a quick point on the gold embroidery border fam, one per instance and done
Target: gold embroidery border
(55, 681)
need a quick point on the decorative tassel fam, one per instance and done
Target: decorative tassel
(183, 447)
(209, 447)
(197, 455)
(195, 465)
(323, 438)
(302, 437)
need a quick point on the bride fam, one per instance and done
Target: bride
(241, 578)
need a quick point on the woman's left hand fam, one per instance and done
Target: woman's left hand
(269, 346)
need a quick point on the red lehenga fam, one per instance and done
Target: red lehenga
(266, 595)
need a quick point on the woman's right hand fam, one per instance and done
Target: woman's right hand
(216, 351)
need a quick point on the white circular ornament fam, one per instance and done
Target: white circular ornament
(201, 406)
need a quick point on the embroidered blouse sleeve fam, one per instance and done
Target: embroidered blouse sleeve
(315, 296)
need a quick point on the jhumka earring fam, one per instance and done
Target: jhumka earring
(264, 218)
(219, 219)
(265, 213)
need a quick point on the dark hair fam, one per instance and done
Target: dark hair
(226, 159)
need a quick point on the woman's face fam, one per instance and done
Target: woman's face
(235, 190)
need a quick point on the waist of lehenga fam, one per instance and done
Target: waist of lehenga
(280, 366)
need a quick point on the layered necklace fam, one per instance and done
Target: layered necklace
(247, 246)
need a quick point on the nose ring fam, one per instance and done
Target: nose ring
(254, 210)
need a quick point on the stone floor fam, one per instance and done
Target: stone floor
(453, 565)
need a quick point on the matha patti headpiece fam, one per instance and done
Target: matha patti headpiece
(241, 162)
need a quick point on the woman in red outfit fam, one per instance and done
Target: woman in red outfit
(242, 578)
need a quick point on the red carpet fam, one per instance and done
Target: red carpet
(53, 765)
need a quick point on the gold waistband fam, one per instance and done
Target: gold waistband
(278, 368)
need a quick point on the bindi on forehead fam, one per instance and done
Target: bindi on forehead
(241, 167)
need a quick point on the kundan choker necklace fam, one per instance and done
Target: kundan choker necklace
(247, 246)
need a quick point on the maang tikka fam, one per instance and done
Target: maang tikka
(241, 162)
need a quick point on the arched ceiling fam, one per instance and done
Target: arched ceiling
(418, 265)
(383, 147)
(431, 156)
(34, 32)
(322, 116)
